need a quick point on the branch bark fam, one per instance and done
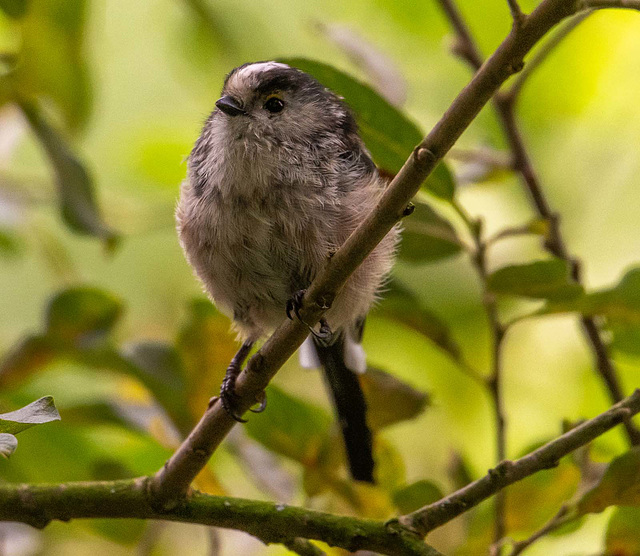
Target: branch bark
(37, 505)
(173, 480)
(504, 103)
(507, 472)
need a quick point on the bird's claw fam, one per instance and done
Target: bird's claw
(295, 304)
(324, 335)
(228, 397)
(262, 399)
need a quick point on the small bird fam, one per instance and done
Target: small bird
(277, 181)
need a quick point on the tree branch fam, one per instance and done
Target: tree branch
(604, 4)
(494, 381)
(507, 472)
(37, 505)
(504, 103)
(563, 517)
(173, 480)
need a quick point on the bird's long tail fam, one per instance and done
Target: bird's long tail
(350, 406)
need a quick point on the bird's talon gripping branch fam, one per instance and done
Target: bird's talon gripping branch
(324, 335)
(295, 304)
(262, 400)
(228, 397)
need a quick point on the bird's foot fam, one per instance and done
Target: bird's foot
(324, 335)
(295, 304)
(230, 400)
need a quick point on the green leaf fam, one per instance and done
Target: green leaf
(291, 427)
(389, 399)
(626, 338)
(427, 237)
(623, 532)
(401, 305)
(36, 413)
(52, 58)
(75, 189)
(14, 8)
(387, 132)
(416, 495)
(83, 312)
(620, 304)
(549, 279)
(619, 486)
(8, 444)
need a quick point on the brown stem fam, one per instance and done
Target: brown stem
(561, 518)
(516, 12)
(494, 383)
(504, 104)
(434, 515)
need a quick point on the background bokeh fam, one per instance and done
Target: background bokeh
(130, 91)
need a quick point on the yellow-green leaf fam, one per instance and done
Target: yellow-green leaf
(619, 486)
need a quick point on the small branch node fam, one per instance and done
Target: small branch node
(517, 14)
(325, 301)
(424, 156)
(408, 211)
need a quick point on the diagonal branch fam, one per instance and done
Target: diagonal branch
(504, 103)
(430, 517)
(173, 480)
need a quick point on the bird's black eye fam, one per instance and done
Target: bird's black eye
(274, 104)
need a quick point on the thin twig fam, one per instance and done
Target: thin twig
(605, 4)
(516, 13)
(504, 103)
(494, 383)
(434, 515)
(563, 517)
(465, 47)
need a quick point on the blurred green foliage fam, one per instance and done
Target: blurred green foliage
(100, 103)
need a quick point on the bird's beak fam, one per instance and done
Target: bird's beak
(230, 106)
